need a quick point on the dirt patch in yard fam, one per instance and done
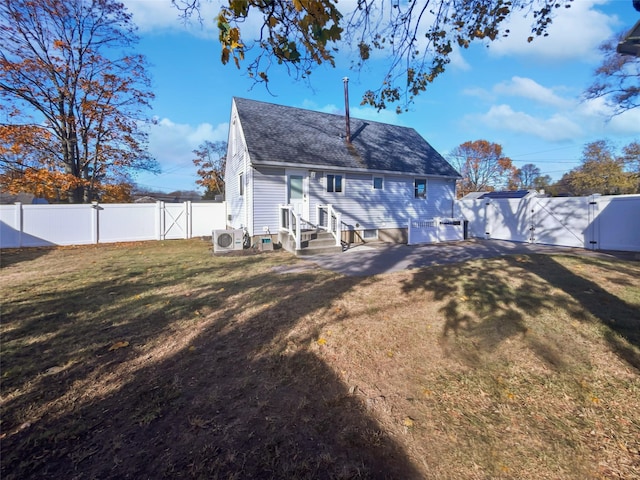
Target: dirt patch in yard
(161, 360)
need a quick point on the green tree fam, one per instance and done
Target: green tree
(74, 96)
(617, 79)
(418, 37)
(631, 159)
(211, 161)
(602, 171)
(542, 182)
(482, 165)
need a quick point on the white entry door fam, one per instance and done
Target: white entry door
(298, 192)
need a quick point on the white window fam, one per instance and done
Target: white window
(241, 184)
(420, 188)
(335, 183)
(378, 183)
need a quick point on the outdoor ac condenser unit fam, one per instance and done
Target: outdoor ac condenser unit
(227, 240)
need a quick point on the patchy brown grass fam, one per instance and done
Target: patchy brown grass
(160, 360)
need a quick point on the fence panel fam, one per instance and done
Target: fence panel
(58, 225)
(121, 222)
(474, 211)
(594, 222)
(206, 217)
(10, 225)
(435, 230)
(618, 225)
(44, 225)
(423, 231)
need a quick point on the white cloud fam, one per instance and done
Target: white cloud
(598, 118)
(457, 60)
(555, 128)
(528, 88)
(478, 92)
(573, 121)
(575, 33)
(161, 15)
(172, 145)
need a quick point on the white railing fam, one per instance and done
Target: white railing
(291, 222)
(435, 230)
(330, 220)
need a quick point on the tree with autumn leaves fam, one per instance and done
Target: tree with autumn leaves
(73, 100)
(211, 158)
(483, 167)
(604, 170)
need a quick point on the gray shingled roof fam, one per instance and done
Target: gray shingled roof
(277, 135)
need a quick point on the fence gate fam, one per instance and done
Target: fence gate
(174, 220)
(555, 221)
(508, 219)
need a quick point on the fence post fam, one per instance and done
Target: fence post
(160, 210)
(187, 208)
(436, 220)
(95, 227)
(487, 231)
(19, 222)
(593, 211)
(529, 206)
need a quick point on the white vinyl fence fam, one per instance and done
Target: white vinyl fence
(595, 222)
(43, 225)
(435, 230)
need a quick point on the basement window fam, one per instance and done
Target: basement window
(334, 183)
(370, 234)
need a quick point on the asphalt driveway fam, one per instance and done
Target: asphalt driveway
(377, 258)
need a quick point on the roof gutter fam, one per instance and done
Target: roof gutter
(336, 168)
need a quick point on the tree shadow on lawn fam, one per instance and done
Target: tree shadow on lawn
(239, 393)
(621, 318)
(488, 308)
(12, 256)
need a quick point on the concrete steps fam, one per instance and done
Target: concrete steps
(313, 242)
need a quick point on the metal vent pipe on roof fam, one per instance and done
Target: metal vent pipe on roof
(346, 107)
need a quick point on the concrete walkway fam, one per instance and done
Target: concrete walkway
(377, 258)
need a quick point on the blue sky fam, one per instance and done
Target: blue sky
(524, 96)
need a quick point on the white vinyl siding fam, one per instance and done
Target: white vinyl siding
(362, 207)
(237, 163)
(270, 190)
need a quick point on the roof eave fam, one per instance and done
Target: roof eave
(315, 166)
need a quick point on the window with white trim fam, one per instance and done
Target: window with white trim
(241, 184)
(335, 183)
(420, 188)
(378, 183)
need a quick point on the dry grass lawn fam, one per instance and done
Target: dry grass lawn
(160, 360)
